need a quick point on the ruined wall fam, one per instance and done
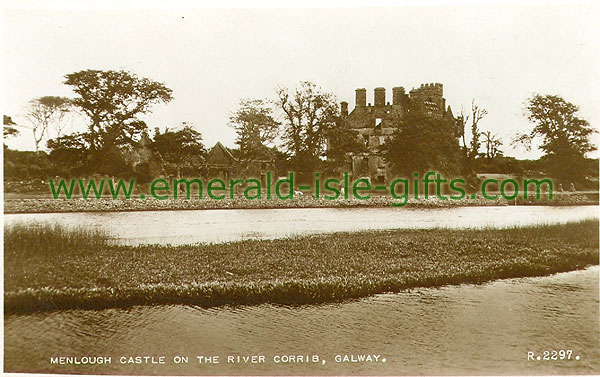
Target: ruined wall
(376, 123)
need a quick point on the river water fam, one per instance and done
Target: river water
(467, 329)
(185, 227)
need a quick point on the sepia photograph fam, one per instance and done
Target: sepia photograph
(362, 188)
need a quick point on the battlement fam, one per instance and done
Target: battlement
(432, 85)
(429, 97)
(426, 91)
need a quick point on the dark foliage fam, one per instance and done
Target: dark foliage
(422, 143)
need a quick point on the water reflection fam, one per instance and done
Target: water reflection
(468, 329)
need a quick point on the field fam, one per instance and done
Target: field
(52, 268)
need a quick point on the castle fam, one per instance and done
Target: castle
(376, 123)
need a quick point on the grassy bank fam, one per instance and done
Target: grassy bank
(43, 205)
(50, 268)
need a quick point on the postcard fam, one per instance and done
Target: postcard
(357, 189)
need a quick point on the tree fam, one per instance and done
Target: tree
(27, 165)
(342, 141)
(308, 114)
(255, 127)
(44, 112)
(422, 143)
(113, 100)
(69, 152)
(564, 136)
(9, 129)
(471, 150)
(180, 148)
(492, 144)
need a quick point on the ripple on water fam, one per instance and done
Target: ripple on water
(462, 329)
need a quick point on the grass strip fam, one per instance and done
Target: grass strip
(53, 268)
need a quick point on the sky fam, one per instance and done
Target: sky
(498, 55)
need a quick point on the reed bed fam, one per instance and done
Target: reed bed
(44, 240)
(52, 268)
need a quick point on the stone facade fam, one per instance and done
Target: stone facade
(376, 123)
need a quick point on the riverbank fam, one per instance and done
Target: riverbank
(40, 205)
(49, 268)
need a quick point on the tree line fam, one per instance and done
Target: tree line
(301, 129)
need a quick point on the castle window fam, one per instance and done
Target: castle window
(377, 123)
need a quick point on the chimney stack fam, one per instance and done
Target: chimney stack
(397, 94)
(361, 97)
(379, 96)
(344, 109)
